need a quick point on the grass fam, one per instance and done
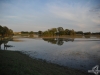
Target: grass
(16, 63)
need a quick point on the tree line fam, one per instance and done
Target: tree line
(60, 31)
(26, 33)
(5, 31)
(56, 32)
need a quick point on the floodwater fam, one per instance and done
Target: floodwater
(78, 53)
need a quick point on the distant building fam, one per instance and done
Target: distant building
(17, 33)
(36, 34)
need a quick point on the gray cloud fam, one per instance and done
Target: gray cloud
(98, 25)
(95, 9)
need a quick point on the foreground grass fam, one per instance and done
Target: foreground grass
(16, 63)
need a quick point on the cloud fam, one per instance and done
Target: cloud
(11, 16)
(51, 13)
(98, 25)
(95, 11)
(75, 13)
(69, 13)
(96, 8)
(96, 21)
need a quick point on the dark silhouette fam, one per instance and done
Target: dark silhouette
(5, 32)
(5, 44)
(1, 44)
(58, 41)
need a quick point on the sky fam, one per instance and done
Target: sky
(35, 15)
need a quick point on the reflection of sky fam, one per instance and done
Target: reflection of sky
(77, 54)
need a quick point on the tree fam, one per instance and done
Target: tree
(67, 31)
(40, 33)
(79, 32)
(54, 31)
(60, 30)
(72, 32)
(31, 33)
(24, 32)
(10, 32)
(87, 33)
(5, 31)
(1, 30)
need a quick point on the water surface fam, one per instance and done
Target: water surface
(83, 53)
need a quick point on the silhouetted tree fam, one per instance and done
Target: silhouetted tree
(54, 31)
(79, 33)
(67, 32)
(5, 31)
(87, 33)
(31, 33)
(40, 33)
(60, 30)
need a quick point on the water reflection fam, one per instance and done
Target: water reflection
(1, 44)
(4, 42)
(58, 41)
(75, 53)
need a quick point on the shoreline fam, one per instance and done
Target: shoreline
(17, 63)
(77, 36)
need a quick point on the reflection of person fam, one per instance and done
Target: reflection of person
(5, 43)
(0, 44)
(5, 48)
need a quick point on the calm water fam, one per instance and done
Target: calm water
(75, 53)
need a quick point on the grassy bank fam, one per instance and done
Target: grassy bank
(16, 63)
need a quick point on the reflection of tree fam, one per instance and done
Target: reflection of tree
(58, 41)
(69, 40)
(1, 44)
(52, 40)
(87, 36)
